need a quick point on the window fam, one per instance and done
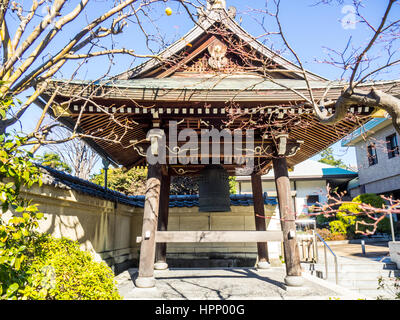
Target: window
(311, 200)
(392, 146)
(372, 157)
(312, 203)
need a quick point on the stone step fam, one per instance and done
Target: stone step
(352, 280)
(360, 277)
(374, 293)
(356, 267)
(372, 284)
(360, 274)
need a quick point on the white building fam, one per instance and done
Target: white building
(309, 181)
(378, 158)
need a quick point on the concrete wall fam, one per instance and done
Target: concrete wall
(109, 230)
(394, 250)
(106, 229)
(383, 176)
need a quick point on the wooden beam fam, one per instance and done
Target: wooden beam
(259, 215)
(150, 216)
(188, 58)
(216, 236)
(161, 248)
(286, 210)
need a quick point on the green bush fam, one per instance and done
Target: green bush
(338, 226)
(34, 266)
(371, 199)
(384, 226)
(349, 213)
(59, 270)
(323, 220)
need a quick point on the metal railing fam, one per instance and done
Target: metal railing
(313, 238)
(326, 258)
(306, 241)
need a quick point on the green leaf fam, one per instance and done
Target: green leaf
(9, 185)
(19, 209)
(17, 235)
(3, 113)
(26, 175)
(3, 196)
(25, 232)
(32, 208)
(11, 289)
(17, 264)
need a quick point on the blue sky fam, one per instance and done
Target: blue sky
(309, 29)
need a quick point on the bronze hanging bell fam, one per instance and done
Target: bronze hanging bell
(214, 195)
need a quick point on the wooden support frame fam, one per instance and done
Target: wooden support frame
(145, 277)
(259, 216)
(161, 248)
(215, 236)
(288, 225)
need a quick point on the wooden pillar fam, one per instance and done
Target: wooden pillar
(161, 248)
(259, 215)
(145, 278)
(287, 215)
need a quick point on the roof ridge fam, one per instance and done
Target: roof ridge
(205, 21)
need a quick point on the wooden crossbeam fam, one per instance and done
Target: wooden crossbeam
(216, 236)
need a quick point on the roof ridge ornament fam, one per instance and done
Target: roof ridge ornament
(216, 11)
(217, 51)
(216, 4)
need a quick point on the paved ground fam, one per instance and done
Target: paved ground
(373, 251)
(245, 283)
(227, 284)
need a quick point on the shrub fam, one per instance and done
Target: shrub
(371, 199)
(324, 233)
(338, 226)
(323, 221)
(336, 236)
(34, 266)
(327, 235)
(59, 270)
(350, 213)
(384, 226)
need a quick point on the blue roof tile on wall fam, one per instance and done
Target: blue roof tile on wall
(87, 187)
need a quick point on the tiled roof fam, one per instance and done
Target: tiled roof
(193, 200)
(64, 180)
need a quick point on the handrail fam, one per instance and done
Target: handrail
(326, 258)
